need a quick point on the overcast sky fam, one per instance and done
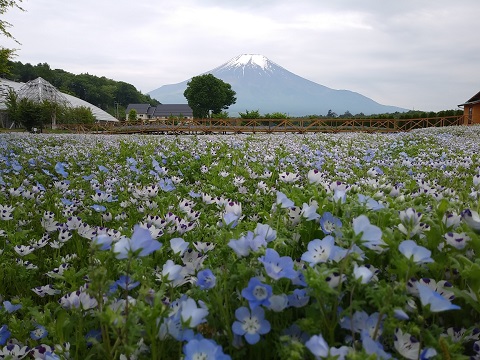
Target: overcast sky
(416, 54)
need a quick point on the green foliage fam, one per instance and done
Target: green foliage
(5, 56)
(253, 114)
(77, 115)
(132, 115)
(31, 114)
(276, 115)
(221, 115)
(36, 115)
(206, 93)
(412, 114)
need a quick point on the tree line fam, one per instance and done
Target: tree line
(412, 114)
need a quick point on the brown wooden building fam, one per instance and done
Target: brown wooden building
(471, 110)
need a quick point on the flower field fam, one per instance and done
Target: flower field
(319, 246)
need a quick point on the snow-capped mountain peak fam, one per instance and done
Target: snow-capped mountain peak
(249, 59)
(242, 62)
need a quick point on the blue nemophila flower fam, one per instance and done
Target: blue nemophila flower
(278, 303)
(295, 333)
(66, 202)
(436, 301)
(60, 169)
(250, 324)
(4, 334)
(400, 314)
(283, 200)
(373, 347)
(340, 196)
(172, 273)
(330, 223)
(192, 314)
(127, 283)
(428, 353)
(257, 293)
(299, 298)
(141, 244)
(265, 231)
(206, 280)
(361, 321)
(309, 211)
(39, 333)
(277, 267)
(48, 355)
(98, 208)
(230, 219)
(418, 254)
(318, 346)
(370, 203)
(371, 235)
(10, 308)
(103, 241)
(320, 251)
(166, 184)
(103, 169)
(178, 245)
(246, 243)
(204, 349)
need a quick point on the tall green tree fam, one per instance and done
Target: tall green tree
(206, 93)
(132, 115)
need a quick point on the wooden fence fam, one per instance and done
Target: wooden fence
(297, 125)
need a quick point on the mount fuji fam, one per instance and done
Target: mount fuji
(261, 84)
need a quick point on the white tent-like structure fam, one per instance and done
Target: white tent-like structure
(40, 89)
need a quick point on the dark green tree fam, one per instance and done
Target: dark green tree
(132, 115)
(331, 114)
(206, 93)
(32, 114)
(221, 115)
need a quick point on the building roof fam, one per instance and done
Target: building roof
(39, 90)
(139, 108)
(5, 87)
(475, 99)
(166, 110)
(98, 113)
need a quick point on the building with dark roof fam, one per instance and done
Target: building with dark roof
(144, 111)
(161, 111)
(471, 110)
(164, 111)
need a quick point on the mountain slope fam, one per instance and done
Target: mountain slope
(262, 85)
